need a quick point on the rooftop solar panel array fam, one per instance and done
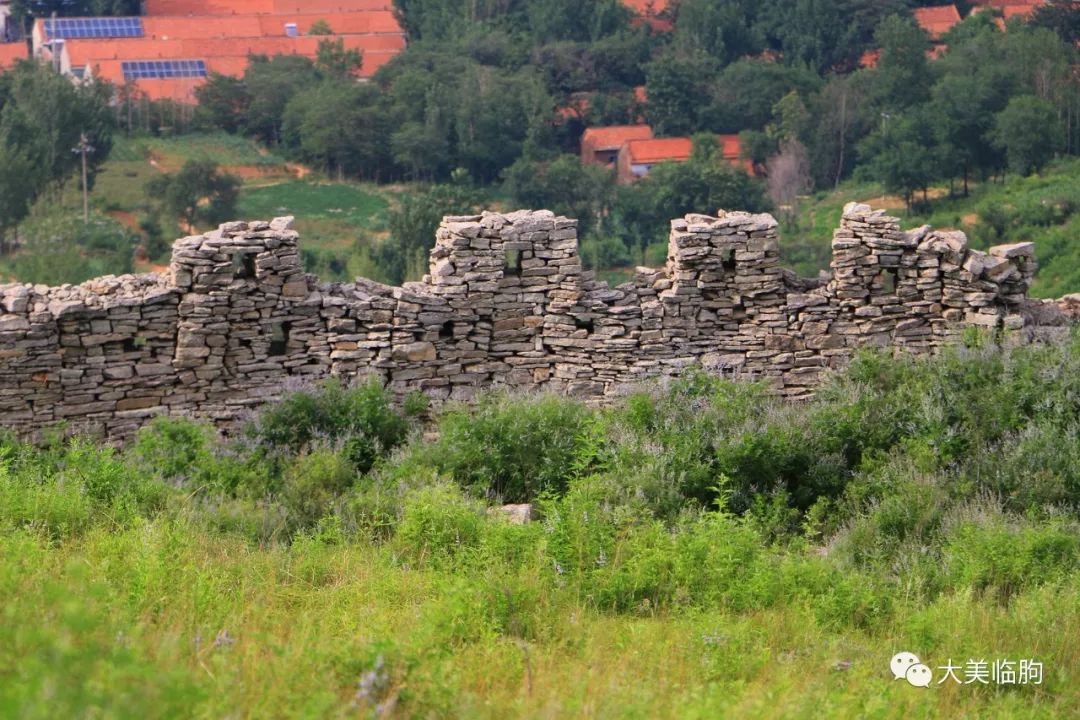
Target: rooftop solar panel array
(103, 27)
(155, 69)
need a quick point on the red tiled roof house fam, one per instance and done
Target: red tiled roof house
(601, 145)
(638, 157)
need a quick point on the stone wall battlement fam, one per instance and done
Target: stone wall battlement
(506, 303)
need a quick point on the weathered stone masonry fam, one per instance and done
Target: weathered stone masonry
(506, 303)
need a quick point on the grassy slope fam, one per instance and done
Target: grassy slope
(332, 217)
(162, 620)
(329, 216)
(1043, 209)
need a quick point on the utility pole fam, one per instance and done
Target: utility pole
(885, 117)
(83, 148)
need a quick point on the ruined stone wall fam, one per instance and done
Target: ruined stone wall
(506, 303)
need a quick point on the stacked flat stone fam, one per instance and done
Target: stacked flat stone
(236, 322)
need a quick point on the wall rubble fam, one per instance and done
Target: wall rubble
(235, 320)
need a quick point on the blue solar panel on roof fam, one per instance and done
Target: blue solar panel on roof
(152, 69)
(77, 28)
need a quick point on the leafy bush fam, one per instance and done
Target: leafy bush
(313, 482)
(437, 523)
(362, 418)
(1005, 557)
(512, 448)
(175, 449)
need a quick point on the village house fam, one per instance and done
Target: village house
(636, 158)
(601, 145)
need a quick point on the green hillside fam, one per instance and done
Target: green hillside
(1041, 208)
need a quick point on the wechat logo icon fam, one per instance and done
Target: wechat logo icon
(906, 666)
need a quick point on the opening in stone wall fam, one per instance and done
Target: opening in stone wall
(513, 263)
(727, 259)
(243, 265)
(887, 278)
(584, 323)
(279, 338)
(134, 344)
(446, 332)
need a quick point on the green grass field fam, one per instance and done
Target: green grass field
(328, 215)
(699, 550)
(221, 147)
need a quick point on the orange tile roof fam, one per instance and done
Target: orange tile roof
(646, 7)
(645, 152)
(1010, 11)
(937, 21)
(614, 137)
(730, 146)
(261, 7)
(10, 53)
(85, 52)
(1004, 3)
(251, 26)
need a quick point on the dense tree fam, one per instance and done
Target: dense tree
(823, 35)
(334, 60)
(1061, 17)
(723, 29)
(903, 74)
(676, 83)
(733, 108)
(223, 102)
(563, 185)
(271, 83)
(901, 155)
(434, 20)
(490, 90)
(1029, 133)
(17, 189)
(199, 192)
(42, 118)
(339, 126)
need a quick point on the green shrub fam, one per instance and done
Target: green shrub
(437, 523)
(72, 486)
(363, 418)
(513, 448)
(1004, 557)
(174, 449)
(313, 482)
